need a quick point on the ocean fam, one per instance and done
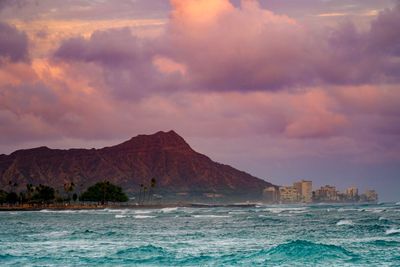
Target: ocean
(265, 235)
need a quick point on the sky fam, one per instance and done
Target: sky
(282, 89)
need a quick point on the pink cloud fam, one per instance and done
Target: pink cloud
(219, 71)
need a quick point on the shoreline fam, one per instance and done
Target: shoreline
(27, 207)
(113, 206)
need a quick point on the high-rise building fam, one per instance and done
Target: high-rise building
(304, 188)
(370, 196)
(326, 193)
(352, 192)
(289, 194)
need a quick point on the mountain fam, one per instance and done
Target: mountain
(180, 172)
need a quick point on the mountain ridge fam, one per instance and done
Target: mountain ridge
(180, 171)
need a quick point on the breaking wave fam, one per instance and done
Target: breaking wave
(392, 231)
(299, 250)
(345, 222)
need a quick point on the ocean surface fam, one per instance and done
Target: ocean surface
(284, 235)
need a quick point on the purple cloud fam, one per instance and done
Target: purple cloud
(13, 43)
(110, 48)
(384, 36)
(126, 61)
(265, 51)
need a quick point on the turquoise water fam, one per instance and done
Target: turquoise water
(320, 235)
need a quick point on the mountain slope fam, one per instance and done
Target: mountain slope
(180, 171)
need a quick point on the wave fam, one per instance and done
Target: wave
(375, 210)
(308, 251)
(211, 216)
(58, 211)
(392, 231)
(345, 222)
(237, 212)
(116, 210)
(143, 216)
(385, 243)
(168, 210)
(348, 209)
(7, 257)
(55, 234)
(146, 249)
(289, 210)
(120, 216)
(384, 220)
(142, 211)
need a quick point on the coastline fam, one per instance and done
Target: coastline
(36, 207)
(115, 206)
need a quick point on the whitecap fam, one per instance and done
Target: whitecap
(290, 210)
(392, 231)
(55, 234)
(167, 210)
(116, 210)
(143, 211)
(349, 209)
(237, 212)
(375, 210)
(45, 211)
(143, 216)
(345, 222)
(120, 216)
(211, 216)
(58, 211)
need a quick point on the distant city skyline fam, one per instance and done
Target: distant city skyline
(284, 90)
(302, 191)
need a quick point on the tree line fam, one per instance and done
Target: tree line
(101, 192)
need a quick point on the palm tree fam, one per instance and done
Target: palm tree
(10, 185)
(152, 185)
(144, 194)
(68, 188)
(140, 192)
(29, 191)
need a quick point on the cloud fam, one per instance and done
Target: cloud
(364, 57)
(216, 46)
(11, 3)
(228, 48)
(384, 36)
(217, 71)
(13, 43)
(111, 48)
(129, 64)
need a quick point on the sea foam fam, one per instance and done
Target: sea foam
(345, 222)
(392, 231)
